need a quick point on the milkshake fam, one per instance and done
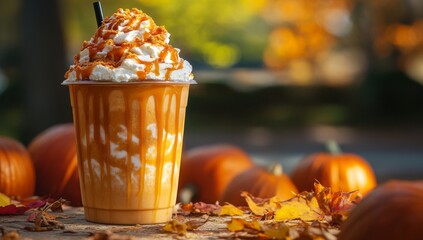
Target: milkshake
(129, 90)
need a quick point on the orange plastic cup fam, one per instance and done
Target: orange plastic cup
(129, 144)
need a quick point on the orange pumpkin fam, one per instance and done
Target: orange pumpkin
(260, 183)
(54, 154)
(340, 171)
(17, 176)
(393, 210)
(209, 169)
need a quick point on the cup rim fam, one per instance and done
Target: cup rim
(91, 82)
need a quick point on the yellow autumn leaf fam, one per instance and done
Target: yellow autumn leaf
(176, 227)
(257, 210)
(239, 224)
(4, 200)
(235, 225)
(324, 196)
(318, 187)
(272, 204)
(313, 203)
(230, 210)
(253, 225)
(298, 208)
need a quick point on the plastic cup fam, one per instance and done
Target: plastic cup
(129, 145)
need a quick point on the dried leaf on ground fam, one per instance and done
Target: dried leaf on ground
(240, 224)
(335, 204)
(308, 215)
(230, 210)
(211, 209)
(199, 208)
(174, 226)
(186, 207)
(4, 200)
(180, 226)
(298, 207)
(264, 207)
(43, 221)
(254, 207)
(309, 206)
(13, 207)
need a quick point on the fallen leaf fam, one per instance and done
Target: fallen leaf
(230, 210)
(310, 215)
(335, 204)
(256, 209)
(12, 209)
(297, 208)
(4, 200)
(206, 208)
(272, 204)
(187, 207)
(9, 207)
(235, 225)
(253, 225)
(239, 224)
(342, 203)
(34, 203)
(175, 226)
(43, 221)
(323, 196)
(57, 206)
(180, 226)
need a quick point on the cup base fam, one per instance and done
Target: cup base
(128, 217)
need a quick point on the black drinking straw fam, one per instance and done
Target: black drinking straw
(98, 13)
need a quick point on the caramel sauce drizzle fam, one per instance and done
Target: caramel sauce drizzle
(128, 20)
(93, 110)
(128, 121)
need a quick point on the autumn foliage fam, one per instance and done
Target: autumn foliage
(314, 214)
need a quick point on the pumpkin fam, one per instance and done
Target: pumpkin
(340, 171)
(393, 210)
(54, 154)
(207, 170)
(17, 176)
(260, 182)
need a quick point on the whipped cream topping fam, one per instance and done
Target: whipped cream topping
(127, 47)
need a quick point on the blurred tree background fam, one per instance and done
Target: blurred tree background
(270, 63)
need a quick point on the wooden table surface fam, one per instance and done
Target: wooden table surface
(75, 227)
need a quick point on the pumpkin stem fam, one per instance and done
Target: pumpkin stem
(187, 193)
(276, 169)
(333, 147)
